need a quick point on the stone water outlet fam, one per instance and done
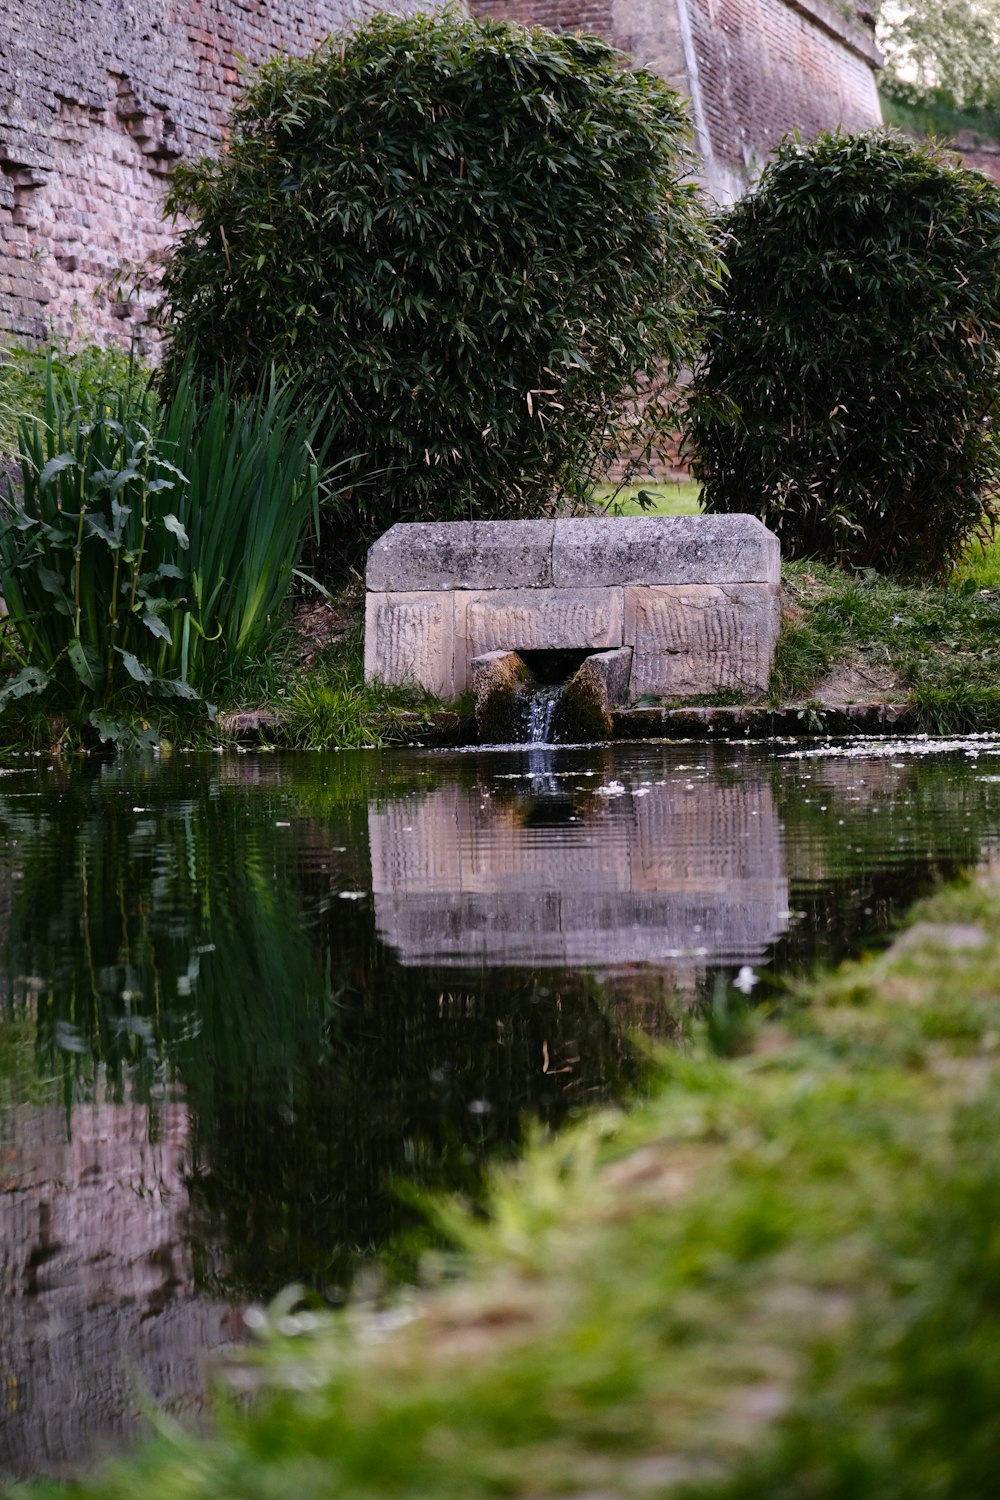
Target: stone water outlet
(665, 607)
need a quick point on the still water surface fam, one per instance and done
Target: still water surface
(242, 999)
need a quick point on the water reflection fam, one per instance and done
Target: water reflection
(241, 1000)
(560, 867)
(97, 1278)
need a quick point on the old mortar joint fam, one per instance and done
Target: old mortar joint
(693, 598)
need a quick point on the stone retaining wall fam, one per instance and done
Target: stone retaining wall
(695, 597)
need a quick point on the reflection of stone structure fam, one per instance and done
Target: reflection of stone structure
(695, 598)
(680, 872)
(97, 1300)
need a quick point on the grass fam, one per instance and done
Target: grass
(670, 497)
(939, 647)
(980, 566)
(776, 1277)
(332, 704)
(941, 644)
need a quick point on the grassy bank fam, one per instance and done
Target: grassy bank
(777, 1276)
(846, 638)
(856, 638)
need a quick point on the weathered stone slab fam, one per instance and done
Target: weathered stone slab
(543, 619)
(664, 550)
(410, 638)
(698, 638)
(583, 711)
(701, 592)
(496, 679)
(419, 555)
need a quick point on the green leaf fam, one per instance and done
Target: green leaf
(85, 663)
(52, 582)
(96, 526)
(29, 680)
(172, 687)
(134, 667)
(176, 527)
(165, 570)
(55, 466)
(157, 627)
(110, 730)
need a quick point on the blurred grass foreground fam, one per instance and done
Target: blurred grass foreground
(778, 1276)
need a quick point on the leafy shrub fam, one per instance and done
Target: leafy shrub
(848, 388)
(127, 577)
(91, 369)
(473, 239)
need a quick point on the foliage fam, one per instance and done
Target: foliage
(933, 115)
(776, 1277)
(126, 577)
(334, 707)
(93, 369)
(847, 392)
(941, 51)
(941, 644)
(473, 239)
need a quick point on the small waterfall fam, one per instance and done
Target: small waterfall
(540, 703)
(545, 698)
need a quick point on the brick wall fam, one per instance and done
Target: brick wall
(594, 16)
(753, 69)
(97, 100)
(767, 67)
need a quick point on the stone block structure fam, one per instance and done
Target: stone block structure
(694, 598)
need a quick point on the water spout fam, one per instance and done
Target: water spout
(548, 697)
(540, 704)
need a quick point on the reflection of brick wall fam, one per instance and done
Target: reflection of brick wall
(97, 100)
(97, 1296)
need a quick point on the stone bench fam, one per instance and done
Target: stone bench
(694, 598)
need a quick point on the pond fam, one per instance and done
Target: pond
(243, 1000)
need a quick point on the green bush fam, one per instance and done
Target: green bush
(472, 239)
(127, 577)
(93, 370)
(848, 391)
